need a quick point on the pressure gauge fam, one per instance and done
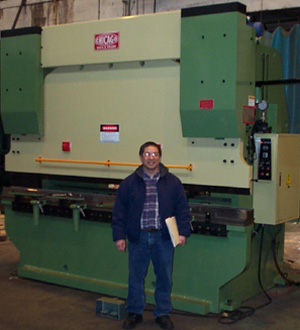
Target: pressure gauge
(263, 105)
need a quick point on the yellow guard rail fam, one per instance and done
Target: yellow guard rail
(106, 163)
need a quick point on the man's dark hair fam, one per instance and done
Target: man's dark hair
(148, 144)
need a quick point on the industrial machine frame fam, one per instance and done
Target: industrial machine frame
(77, 101)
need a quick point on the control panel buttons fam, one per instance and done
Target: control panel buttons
(264, 160)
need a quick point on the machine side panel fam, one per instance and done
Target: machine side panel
(217, 74)
(138, 38)
(288, 176)
(21, 84)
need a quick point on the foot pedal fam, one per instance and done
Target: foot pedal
(111, 308)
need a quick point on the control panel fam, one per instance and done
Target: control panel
(276, 178)
(264, 148)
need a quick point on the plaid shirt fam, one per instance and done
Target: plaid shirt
(150, 217)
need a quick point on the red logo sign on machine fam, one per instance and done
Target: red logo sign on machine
(206, 104)
(106, 41)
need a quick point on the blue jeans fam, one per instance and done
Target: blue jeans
(160, 252)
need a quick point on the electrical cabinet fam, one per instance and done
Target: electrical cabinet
(276, 178)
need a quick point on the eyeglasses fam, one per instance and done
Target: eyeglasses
(153, 154)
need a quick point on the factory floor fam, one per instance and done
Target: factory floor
(32, 305)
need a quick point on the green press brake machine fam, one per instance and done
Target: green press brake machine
(77, 101)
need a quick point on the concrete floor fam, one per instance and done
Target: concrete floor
(32, 305)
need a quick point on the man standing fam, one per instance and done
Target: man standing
(144, 200)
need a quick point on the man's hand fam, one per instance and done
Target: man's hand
(121, 245)
(182, 240)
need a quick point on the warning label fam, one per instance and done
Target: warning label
(110, 133)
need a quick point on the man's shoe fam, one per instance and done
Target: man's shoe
(132, 320)
(165, 322)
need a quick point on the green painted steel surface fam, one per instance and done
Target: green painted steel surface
(217, 63)
(53, 251)
(208, 272)
(247, 284)
(22, 84)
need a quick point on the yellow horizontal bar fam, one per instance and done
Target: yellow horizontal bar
(106, 163)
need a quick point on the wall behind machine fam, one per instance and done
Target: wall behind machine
(52, 12)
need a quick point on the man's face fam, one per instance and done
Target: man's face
(150, 159)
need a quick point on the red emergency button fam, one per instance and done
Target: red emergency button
(66, 146)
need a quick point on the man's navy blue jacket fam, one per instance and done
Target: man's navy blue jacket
(129, 205)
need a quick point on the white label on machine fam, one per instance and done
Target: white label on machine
(109, 133)
(251, 101)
